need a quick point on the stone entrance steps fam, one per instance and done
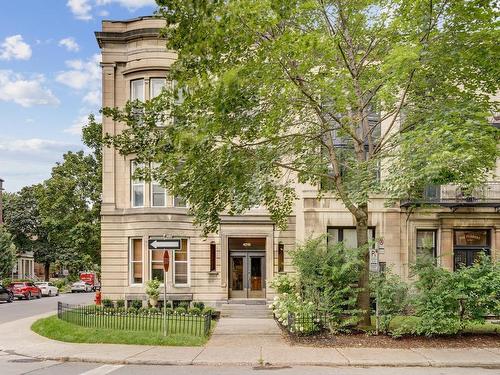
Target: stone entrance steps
(256, 309)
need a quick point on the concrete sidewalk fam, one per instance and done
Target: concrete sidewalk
(261, 344)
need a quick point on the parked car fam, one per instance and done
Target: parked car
(25, 290)
(81, 286)
(48, 289)
(6, 294)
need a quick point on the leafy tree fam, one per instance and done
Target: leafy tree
(59, 219)
(24, 221)
(7, 252)
(323, 92)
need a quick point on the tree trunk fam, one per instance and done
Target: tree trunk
(46, 271)
(362, 238)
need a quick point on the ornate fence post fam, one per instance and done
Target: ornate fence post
(291, 321)
(59, 309)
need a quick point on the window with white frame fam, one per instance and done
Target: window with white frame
(158, 192)
(137, 186)
(135, 257)
(137, 90)
(156, 85)
(181, 264)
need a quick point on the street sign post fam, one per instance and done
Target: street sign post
(164, 245)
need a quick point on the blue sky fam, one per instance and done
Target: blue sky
(49, 79)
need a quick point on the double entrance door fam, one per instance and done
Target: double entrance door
(247, 274)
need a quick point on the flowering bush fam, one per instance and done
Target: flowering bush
(303, 313)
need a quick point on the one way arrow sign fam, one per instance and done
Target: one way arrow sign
(164, 244)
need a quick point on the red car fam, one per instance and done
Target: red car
(25, 290)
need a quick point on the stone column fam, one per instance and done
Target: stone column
(447, 248)
(495, 244)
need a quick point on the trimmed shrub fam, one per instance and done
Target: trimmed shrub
(120, 303)
(199, 305)
(106, 302)
(180, 310)
(194, 311)
(184, 305)
(136, 304)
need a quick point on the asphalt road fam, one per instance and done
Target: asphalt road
(16, 365)
(20, 309)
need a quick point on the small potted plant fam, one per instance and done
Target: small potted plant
(153, 291)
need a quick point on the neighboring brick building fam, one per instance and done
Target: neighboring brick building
(249, 250)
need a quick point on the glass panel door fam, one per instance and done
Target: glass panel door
(237, 283)
(256, 277)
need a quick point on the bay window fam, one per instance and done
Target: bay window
(137, 186)
(158, 193)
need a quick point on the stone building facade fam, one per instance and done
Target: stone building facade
(248, 251)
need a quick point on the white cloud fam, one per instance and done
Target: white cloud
(76, 127)
(93, 98)
(23, 91)
(129, 4)
(79, 123)
(13, 47)
(81, 9)
(104, 13)
(70, 44)
(29, 161)
(33, 145)
(82, 74)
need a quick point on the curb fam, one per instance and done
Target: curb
(268, 365)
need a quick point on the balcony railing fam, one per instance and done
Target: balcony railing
(487, 195)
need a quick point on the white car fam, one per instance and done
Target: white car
(48, 289)
(81, 286)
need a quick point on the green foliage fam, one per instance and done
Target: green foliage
(136, 304)
(391, 294)
(180, 310)
(59, 219)
(7, 252)
(199, 305)
(153, 288)
(120, 303)
(447, 302)
(183, 304)
(196, 311)
(284, 283)
(327, 277)
(325, 286)
(271, 92)
(106, 302)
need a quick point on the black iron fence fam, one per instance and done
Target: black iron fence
(151, 320)
(306, 324)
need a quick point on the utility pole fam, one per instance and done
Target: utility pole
(1, 202)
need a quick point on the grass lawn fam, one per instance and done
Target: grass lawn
(56, 329)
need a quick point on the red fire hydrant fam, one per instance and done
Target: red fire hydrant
(98, 297)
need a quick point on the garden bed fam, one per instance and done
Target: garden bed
(479, 336)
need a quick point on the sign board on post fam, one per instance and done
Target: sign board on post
(164, 244)
(166, 261)
(374, 264)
